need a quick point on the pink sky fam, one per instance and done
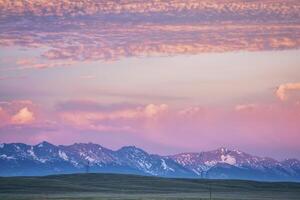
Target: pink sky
(168, 76)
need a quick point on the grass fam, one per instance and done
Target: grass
(117, 186)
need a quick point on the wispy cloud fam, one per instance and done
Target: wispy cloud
(12, 77)
(245, 107)
(33, 63)
(87, 77)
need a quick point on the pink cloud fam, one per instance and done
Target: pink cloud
(267, 128)
(189, 27)
(81, 7)
(32, 63)
(11, 77)
(245, 107)
(122, 118)
(4, 117)
(23, 116)
(17, 112)
(283, 89)
(87, 77)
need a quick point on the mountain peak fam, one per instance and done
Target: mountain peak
(44, 144)
(223, 149)
(131, 149)
(85, 144)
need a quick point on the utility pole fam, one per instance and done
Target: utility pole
(87, 167)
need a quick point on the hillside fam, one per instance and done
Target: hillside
(116, 186)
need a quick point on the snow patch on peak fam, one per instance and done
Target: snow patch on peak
(210, 163)
(31, 152)
(91, 160)
(165, 166)
(3, 156)
(223, 150)
(87, 157)
(40, 145)
(144, 164)
(196, 172)
(237, 151)
(1, 145)
(63, 155)
(228, 159)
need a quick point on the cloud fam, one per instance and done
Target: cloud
(17, 112)
(191, 111)
(87, 77)
(24, 120)
(2, 78)
(92, 106)
(147, 111)
(245, 107)
(69, 8)
(115, 117)
(35, 64)
(16, 104)
(151, 110)
(4, 117)
(283, 89)
(26, 61)
(24, 116)
(110, 30)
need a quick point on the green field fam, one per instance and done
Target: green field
(113, 186)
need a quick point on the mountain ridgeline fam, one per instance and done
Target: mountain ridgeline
(18, 159)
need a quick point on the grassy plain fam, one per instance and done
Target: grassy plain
(131, 187)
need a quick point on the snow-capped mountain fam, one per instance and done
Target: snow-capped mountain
(46, 158)
(225, 163)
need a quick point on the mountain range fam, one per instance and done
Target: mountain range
(18, 159)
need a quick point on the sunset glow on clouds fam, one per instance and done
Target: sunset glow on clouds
(284, 89)
(168, 76)
(132, 28)
(17, 112)
(23, 116)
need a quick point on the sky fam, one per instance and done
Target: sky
(168, 76)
